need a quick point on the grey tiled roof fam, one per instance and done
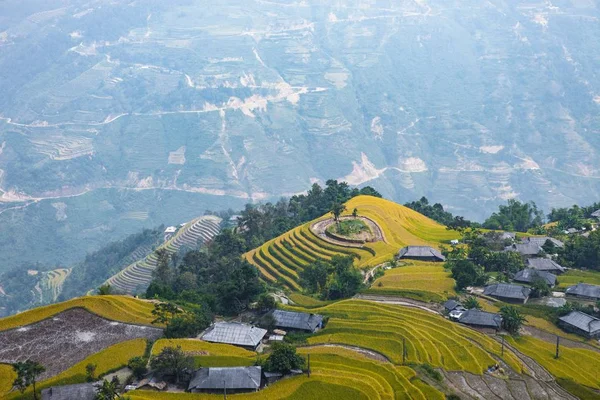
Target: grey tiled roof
(508, 235)
(582, 321)
(481, 318)
(451, 305)
(420, 252)
(528, 275)
(526, 249)
(297, 320)
(234, 333)
(231, 378)
(81, 391)
(596, 214)
(544, 264)
(507, 291)
(585, 290)
(541, 240)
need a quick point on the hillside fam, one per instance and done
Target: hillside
(281, 259)
(137, 276)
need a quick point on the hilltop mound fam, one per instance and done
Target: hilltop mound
(283, 258)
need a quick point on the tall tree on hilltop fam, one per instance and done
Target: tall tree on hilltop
(337, 209)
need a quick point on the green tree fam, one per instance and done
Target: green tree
(472, 303)
(336, 210)
(104, 290)
(90, 372)
(283, 359)
(172, 361)
(27, 373)
(314, 276)
(466, 273)
(108, 391)
(266, 302)
(539, 287)
(188, 324)
(355, 213)
(515, 216)
(165, 312)
(163, 272)
(138, 366)
(512, 319)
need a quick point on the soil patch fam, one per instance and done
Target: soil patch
(67, 338)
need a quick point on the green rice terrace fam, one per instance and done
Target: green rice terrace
(137, 276)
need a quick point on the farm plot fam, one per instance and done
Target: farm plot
(66, 339)
(575, 276)
(118, 308)
(426, 277)
(107, 360)
(429, 337)
(209, 354)
(580, 365)
(335, 373)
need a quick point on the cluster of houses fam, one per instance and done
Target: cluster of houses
(216, 380)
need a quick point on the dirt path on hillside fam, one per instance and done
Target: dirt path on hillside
(319, 228)
(400, 301)
(373, 355)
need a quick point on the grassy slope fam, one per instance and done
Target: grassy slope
(336, 373)
(209, 354)
(106, 361)
(574, 276)
(418, 277)
(118, 308)
(7, 376)
(282, 258)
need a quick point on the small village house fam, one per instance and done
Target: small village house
(508, 293)
(152, 382)
(546, 265)
(526, 250)
(297, 321)
(584, 291)
(581, 324)
(229, 379)
(529, 275)
(422, 253)
(481, 320)
(541, 241)
(80, 391)
(235, 333)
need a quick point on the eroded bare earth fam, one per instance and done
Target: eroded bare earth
(66, 339)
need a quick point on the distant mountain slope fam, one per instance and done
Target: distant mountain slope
(284, 257)
(469, 103)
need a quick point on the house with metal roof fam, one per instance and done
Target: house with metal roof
(525, 249)
(297, 320)
(229, 380)
(581, 323)
(546, 265)
(423, 253)
(529, 275)
(80, 391)
(508, 293)
(481, 319)
(235, 333)
(584, 291)
(452, 305)
(541, 240)
(596, 214)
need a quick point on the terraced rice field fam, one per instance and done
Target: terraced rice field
(117, 308)
(426, 277)
(575, 276)
(209, 354)
(336, 373)
(51, 284)
(580, 365)
(429, 337)
(283, 258)
(106, 361)
(7, 377)
(137, 276)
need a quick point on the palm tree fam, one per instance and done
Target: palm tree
(512, 319)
